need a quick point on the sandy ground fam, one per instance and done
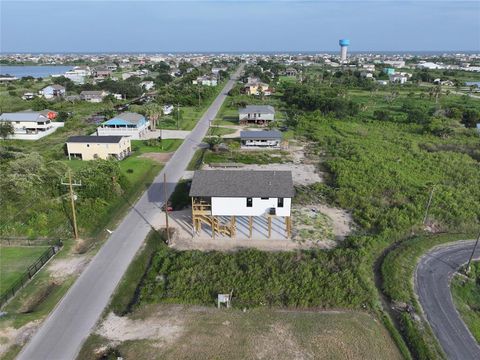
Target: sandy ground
(159, 326)
(158, 157)
(10, 336)
(339, 225)
(302, 174)
(191, 332)
(73, 265)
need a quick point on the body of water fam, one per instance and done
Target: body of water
(35, 70)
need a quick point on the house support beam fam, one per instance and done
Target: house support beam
(269, 226)
(250, 224)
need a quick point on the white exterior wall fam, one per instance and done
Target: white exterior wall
(133, 133)
(261, 143)
(237, 206)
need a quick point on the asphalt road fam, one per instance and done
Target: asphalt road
(432, 284)
(64, 331)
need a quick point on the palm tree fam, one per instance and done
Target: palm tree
(153, 112)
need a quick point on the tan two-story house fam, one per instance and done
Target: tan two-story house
(98, 147)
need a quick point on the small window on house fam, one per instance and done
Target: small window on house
(249, 202)
(88, 145)
(280, 202)
(264, 198)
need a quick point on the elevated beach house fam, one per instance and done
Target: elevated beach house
(125, 124)
(260, 139)
(256, 114)
(219, 197)
(31, 125)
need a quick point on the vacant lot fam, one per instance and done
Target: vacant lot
(14, 261)
(193, 332)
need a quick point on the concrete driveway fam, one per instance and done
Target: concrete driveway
(62, 334)
(432, 284)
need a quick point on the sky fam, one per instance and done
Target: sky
(240, 26)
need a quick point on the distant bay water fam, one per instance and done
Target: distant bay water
(35, 70)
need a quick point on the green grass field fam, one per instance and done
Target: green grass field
(14, 261)
(191, 332)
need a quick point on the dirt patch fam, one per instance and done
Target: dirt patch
(279, 343)
(164, 329)
(302, 174)
(161, 158)
(63, 268)
(321, 222)
(9, 336)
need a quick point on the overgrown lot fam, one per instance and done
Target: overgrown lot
(466, 296)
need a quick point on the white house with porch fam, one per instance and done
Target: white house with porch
(220, 196)
(31, 125)
(260, 139)
(256, 114)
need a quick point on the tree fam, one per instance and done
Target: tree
(153, 112)
(470, 118)
(6, 129)
(213, 142)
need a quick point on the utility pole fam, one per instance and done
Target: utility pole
(70, 185)
(166, 205)
(428, 205)
(467, 269)
(178, 114)
(198, 96)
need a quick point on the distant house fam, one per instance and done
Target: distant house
(255, 86)
(398, 78)
(147, 85)
(260, 139)
(93, 96)
(98, 147)
(291, 72)
(205, 81)
(31, 125)
(78, 74)
(102, 73)
(216, 70)
(256, 114)
(52, 91)
(111, 66)
(128, 124)
(382, 82)
(389, 71)
(28, 96)
(7, 78)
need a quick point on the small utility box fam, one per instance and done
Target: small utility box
(223, 299)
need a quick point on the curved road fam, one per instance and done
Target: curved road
(432, 284)
(64, 331)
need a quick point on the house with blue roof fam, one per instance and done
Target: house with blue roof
(134, 125)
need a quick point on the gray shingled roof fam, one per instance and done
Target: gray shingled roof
(261, 109)
(130, 117)
(94, 139)
(242, 183)
(271, 134)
